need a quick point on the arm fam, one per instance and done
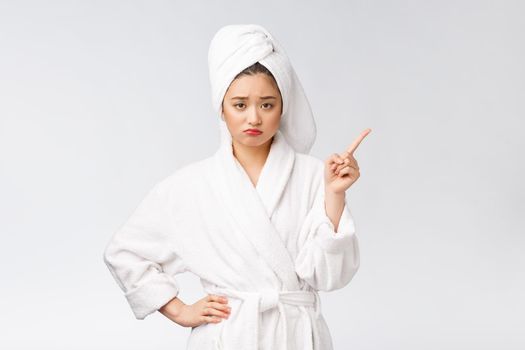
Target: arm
(172, 309)
(334, 205)
(327, 260)
(141, 259)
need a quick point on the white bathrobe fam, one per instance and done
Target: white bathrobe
(269, 248)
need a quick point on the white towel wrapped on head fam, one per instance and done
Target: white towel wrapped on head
(236, 47)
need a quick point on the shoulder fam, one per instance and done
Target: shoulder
(183, 179)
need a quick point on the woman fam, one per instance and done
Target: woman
(262, 223)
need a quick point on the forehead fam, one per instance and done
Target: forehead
(253, 85)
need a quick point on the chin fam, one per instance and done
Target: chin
(253, 141)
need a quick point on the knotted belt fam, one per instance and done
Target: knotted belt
(256, 302)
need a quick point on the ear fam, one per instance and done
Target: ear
(222, 109)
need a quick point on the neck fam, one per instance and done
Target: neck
(251, 157)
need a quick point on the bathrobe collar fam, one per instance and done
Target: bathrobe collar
(251, 207)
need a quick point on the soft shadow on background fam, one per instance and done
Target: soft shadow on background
(101, 99)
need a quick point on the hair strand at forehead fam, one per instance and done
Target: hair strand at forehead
(255, 68)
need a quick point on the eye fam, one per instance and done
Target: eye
(267, 104)
(239, 104)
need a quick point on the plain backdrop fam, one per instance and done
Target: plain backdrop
(99, 100)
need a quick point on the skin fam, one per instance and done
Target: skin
(341, 171)
(210, 309)
(254, 101)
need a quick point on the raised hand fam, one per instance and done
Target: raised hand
(341, 171)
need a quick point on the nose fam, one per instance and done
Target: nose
(252, 116)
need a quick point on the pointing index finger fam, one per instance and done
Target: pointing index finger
(357, 141)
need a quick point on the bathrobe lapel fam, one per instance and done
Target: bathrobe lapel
(252, 207)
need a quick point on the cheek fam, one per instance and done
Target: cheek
(228, 111)
(275, 117)
(232, 115)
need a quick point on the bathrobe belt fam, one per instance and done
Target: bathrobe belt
(254, 303)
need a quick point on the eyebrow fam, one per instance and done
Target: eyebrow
(246, 97)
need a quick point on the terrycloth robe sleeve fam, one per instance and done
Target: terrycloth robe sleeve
(327, 260)
(140, 256)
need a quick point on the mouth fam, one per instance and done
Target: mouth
(253, 131)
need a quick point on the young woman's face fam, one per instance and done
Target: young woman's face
(252, 102)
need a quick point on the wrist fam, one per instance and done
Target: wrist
(333, 194)
(173, 308)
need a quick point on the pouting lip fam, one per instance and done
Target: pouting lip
(253, 130)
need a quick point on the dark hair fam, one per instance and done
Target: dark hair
(254, 69)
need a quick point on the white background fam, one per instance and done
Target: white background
(101, 99)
